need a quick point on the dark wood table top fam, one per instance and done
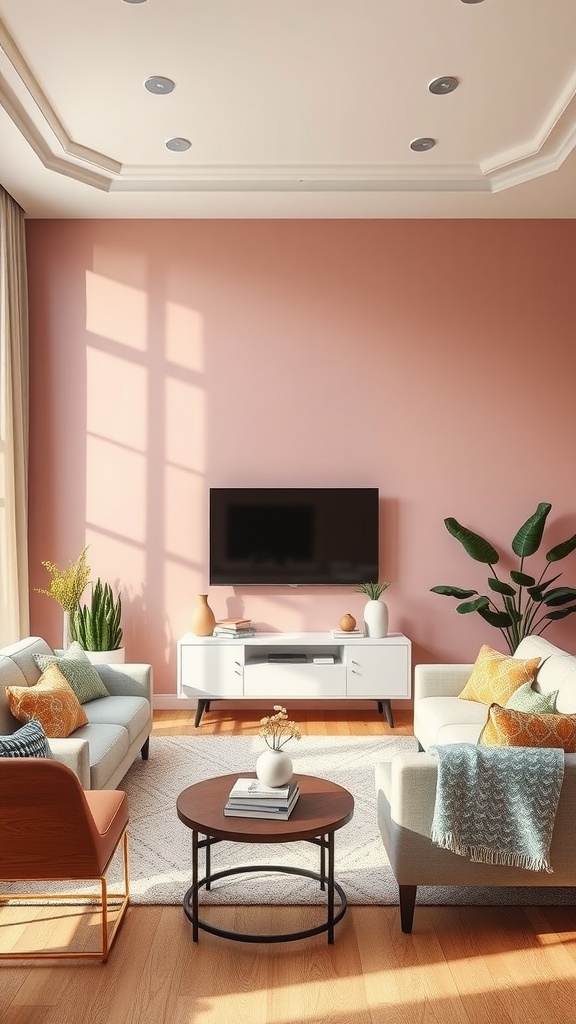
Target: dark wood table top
(322, 808)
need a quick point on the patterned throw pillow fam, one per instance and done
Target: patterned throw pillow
(52, 702)
(525, 698)
(508, 728)
(29, 741)
(496, 676)
(78, 670)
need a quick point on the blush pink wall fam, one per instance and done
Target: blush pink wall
(435, 360)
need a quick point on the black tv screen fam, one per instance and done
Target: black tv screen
(293, 536)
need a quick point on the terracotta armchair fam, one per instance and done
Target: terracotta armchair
(53, 830)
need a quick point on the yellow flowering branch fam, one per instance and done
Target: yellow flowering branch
(67, 585)
(277, 729)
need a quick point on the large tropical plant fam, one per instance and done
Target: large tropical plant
(527, 604)
(96, 626)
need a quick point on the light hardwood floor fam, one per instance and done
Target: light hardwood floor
(469, 965)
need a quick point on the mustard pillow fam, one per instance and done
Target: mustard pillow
(509, 728)
(496, 676)
(52, 702)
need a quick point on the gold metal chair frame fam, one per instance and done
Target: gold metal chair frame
(104, 903)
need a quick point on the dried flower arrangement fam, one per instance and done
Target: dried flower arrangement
(68, 585)
(278, 729)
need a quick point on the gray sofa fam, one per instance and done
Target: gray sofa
(406, 787)
(119, 726)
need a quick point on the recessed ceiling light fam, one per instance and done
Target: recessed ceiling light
(421, 145)
(178, 145)
(441, 86)
(463, 1)
(144, 1)
(159, 85)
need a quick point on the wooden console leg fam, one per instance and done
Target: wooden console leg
(201, 707)
(407, 903)
(385, 706)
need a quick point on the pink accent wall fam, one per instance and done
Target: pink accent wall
(433, 359)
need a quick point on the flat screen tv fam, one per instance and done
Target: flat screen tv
(293, 536)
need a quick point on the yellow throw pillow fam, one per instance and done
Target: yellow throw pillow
(52, 702)
(509, 728)
(496, 676)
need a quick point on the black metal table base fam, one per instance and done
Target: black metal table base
(327, 882)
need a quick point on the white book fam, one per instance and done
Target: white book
(253, 789)
(263, 803)
(257, 812)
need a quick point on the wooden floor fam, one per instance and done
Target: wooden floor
(464, 965)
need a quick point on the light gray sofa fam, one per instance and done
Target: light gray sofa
(119, 726)
(406, 787)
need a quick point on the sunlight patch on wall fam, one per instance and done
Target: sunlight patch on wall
(185, 515)
(116, 489)
(185, 425)
(184, 337)
(116, 400)
(116, 311)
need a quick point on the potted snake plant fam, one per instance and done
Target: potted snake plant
(96, 626)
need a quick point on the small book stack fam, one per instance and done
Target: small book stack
(250, 798)
(343, 634)
(234, 628)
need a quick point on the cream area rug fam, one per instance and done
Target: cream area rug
(160, 845)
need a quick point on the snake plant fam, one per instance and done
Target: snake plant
(97, 626)
(531, 604)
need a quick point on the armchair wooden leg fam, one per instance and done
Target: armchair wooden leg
(145, 750)
(407, 903)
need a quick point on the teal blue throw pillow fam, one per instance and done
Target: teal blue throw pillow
(29, 741)
(525, 698)
(77, 668)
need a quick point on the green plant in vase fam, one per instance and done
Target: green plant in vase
(96, 626)
(527, 604)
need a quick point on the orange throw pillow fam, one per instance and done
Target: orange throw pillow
(508, 728)
(52, 702)
(496, 676)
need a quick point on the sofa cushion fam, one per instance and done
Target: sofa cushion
(28, 741)
(435, 715)
(506, 727)
(79, 671)
(526, 698)
(52, 702)
(133, 713)
(496, 676)
(557, 671)
(108, 747)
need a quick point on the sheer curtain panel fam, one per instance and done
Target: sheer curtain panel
(14, 612)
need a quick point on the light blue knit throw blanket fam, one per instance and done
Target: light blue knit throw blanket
(497, 805)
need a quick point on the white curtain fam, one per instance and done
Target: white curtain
(14, 609)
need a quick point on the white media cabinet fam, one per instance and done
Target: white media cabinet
(362, 668)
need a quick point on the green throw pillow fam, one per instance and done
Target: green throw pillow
(78, 670)
(525, 698)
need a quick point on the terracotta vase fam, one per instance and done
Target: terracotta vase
(347, 622)
(274, 767)
(203, 618)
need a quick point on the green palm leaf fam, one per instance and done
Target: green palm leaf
(560, 595)
(522, 578)
(561, 550)
(472, 606)
(476, 546)
(453, 592)
(529, 536)
(501, 588)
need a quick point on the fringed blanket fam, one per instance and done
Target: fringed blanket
(497, 805)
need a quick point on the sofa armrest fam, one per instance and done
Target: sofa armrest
(440, 680)
(75, 754)
(127, 680)
(412, 791)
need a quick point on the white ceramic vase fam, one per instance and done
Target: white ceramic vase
(115, 657)
(376, 619)
(274, 767)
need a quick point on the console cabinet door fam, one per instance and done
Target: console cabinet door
(212, 670)
(377, 671)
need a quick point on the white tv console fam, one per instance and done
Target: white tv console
(213, 668)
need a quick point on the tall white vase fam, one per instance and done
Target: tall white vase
(376, 619)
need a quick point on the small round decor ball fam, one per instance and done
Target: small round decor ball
(347, 622)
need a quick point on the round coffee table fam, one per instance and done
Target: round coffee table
(322, 808)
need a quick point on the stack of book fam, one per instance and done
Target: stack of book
(250, 798)
(234, 628)
(343, 634)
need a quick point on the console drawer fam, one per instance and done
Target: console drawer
(281, 682)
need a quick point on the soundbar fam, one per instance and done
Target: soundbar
(289, 659)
